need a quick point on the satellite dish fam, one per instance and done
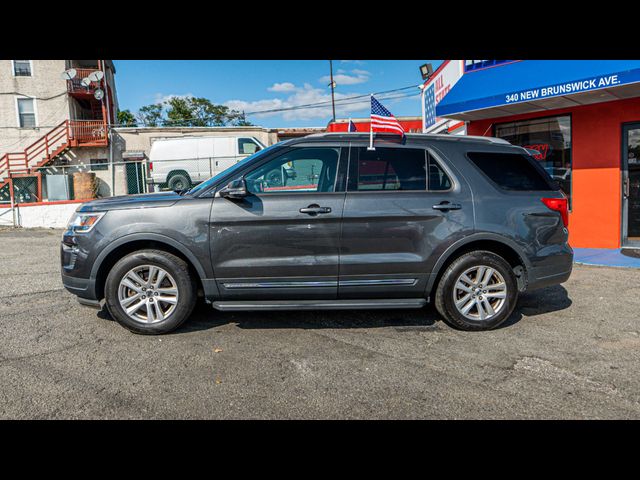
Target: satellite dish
(85, 81)
(69, 74)
(96, 76)
(98, 94)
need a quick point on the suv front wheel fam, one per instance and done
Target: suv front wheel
(150, 292)
(478, 291)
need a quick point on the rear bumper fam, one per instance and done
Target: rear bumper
(541, 282)
(554, 273)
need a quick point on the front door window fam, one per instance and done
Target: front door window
(300, 170)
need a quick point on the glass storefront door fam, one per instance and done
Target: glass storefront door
(631, 185)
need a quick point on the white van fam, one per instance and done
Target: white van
(179, 163)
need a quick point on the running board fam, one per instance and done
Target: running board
(373, 303)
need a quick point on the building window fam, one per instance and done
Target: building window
(26, 113)
(98, 164)
(551, 137)
(22, 68)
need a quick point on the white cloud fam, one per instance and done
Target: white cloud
(282, 87)
(161, 98)
(355, 62)
(304, 95)
(357, 76)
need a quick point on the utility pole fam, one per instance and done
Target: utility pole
(333, 85)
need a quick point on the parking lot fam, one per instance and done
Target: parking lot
(570, 351)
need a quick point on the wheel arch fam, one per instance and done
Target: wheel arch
(497, 244)
(174, 173)
(131, 243)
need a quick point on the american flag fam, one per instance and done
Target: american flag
(382, 120)
(429, 107)
(352, 127)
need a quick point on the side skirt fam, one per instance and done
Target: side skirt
(376, 303)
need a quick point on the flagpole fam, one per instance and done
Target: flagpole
(371, 147)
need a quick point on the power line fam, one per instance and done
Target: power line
(178, 121)
(35, 98)
(327, 102)
(323, 104)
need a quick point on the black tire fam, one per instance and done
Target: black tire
(179, 181)
(444, 297)
(176, 267)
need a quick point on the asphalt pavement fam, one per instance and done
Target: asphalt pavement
(567, 352)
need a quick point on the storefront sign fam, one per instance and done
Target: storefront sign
(437, 87)
(543, 149)
(469, 93)
(563, 89)
(473, 65)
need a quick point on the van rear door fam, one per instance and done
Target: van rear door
(225, 154)
(205, 158)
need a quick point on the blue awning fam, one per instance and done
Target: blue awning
(532, 85)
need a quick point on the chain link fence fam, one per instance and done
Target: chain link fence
(99, 179)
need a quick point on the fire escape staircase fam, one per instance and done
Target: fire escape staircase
(68, 134)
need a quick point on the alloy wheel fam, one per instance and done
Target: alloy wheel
(148, 294)
(480, 293)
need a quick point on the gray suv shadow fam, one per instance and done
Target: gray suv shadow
(204, 317)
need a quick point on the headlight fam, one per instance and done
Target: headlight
(84, 222)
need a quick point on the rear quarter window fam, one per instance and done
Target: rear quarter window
(512, 171)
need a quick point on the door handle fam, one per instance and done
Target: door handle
(315, 209)
(626, 187)
(447, 206)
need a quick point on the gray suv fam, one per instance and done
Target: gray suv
(464, 222)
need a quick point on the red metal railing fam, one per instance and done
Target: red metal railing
(88, 131)
(68, 133)
(75, 85)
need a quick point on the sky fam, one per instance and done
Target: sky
(257, 85)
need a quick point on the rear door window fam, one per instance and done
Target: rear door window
(512, 171)
(388, 169)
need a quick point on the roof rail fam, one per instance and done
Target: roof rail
(438, 136)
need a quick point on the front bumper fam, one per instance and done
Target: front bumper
(82, 287)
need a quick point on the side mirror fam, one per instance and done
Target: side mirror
(235, 189)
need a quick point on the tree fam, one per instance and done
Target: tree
(151, 115)
(126, 119)
(240, 120)
(190, 112)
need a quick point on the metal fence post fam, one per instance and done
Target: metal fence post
(13, 203)
(113, 171)
(145, 171)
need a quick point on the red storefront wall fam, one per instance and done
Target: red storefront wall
(595, 219)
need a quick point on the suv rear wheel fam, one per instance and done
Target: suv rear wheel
(150, 292)
(478, 291)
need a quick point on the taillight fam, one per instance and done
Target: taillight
(151, 166)
(559, 205)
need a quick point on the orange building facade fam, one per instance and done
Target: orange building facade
(584, 119)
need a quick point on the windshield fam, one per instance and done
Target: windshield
(206, 184)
